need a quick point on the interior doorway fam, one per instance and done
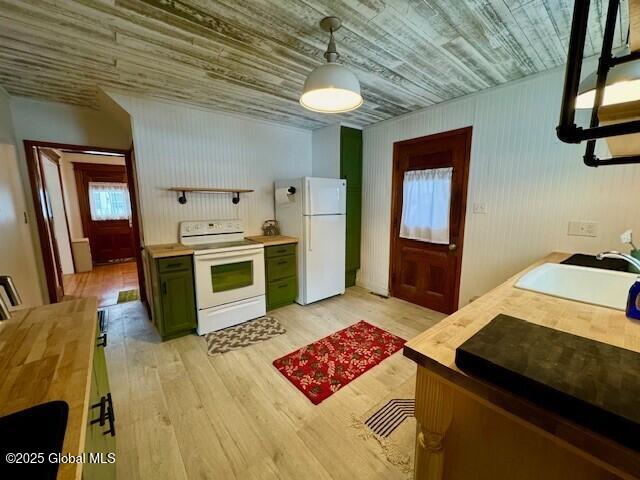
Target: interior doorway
(88, 222)
(429, 197)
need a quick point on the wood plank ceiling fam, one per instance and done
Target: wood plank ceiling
(252, 56)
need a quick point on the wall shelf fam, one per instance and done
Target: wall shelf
(182, 192)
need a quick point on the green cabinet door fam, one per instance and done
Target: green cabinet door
(96, 441)
(351, 170)
(281, 275)
(178, 303)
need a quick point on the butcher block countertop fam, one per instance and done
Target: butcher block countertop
(435, 350)
(46, 354)
(271, 240)
(168, 250)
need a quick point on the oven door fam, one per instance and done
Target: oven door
(228, 277)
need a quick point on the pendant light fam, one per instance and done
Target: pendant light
(331, 88)
(623, 85)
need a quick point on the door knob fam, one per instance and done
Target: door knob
(452, 247)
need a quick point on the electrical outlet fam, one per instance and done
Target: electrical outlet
(480, 208)
(583, 229)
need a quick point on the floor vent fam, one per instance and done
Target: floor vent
(391, 416)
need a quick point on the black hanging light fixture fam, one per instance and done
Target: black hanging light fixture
(592, 92)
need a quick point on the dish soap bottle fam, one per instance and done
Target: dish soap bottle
(633, 302)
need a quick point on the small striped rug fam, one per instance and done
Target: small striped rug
(384, 421)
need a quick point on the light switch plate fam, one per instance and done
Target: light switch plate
(480, 208)
(583, 229)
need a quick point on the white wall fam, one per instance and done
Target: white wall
(177, 145)
(16, 253)
(69, 185)
(59, 123)
(326, 151)
(532, 183)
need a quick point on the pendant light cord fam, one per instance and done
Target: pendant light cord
(331, 54)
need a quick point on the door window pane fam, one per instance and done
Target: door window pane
(109, 201)
(426, 202)
(231, 276)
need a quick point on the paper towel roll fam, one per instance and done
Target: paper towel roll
(282, 196)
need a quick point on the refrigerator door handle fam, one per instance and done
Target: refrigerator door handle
(310, 197)
(309, 234)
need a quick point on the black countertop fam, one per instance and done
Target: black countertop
(585, 260)
(591, 383)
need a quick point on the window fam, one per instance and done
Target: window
(230, 276)
(426, 201)
(109, 201)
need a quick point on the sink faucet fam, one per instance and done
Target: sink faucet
(6, 282)
(624, 256)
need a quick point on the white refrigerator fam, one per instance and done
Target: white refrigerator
(314, 210)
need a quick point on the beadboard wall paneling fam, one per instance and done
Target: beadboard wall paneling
(532, 184)
(181, 146)
(326, 151)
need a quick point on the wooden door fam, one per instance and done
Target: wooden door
(425, 273)
(136, 227)
(109, 239)
(44, 214)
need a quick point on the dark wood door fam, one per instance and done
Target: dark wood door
(425, 273)
(110, 240)
(44, 214)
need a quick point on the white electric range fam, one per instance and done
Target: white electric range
(229, 273)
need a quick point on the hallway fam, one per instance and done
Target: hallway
(104, 282)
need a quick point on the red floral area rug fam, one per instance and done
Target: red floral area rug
(324, 367)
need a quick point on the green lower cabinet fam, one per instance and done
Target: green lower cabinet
(174, 302)
(281, 275)
(100, 443)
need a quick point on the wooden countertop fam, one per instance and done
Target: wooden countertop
(435, 350)
(168, 250)
(271, 240)
(46, 354)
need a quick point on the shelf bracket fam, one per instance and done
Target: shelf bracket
(236, 198)
(182, 197)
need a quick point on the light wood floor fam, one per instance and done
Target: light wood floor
(104, 282)
(183, 414)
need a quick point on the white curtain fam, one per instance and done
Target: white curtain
(109, 201)
(426, 201)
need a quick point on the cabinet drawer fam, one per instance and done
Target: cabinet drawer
(280, 250)
(174, 263)
(281, 293)
(281, 267)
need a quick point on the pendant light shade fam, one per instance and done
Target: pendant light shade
(623, 85)
(331, 88)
